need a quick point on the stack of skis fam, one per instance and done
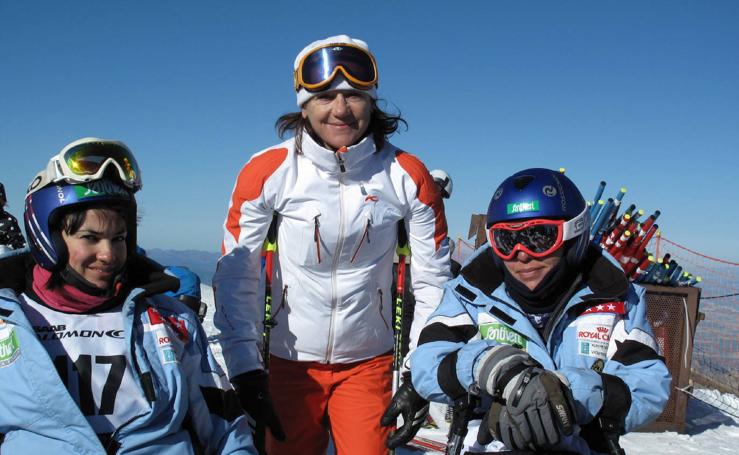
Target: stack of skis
(626, 239)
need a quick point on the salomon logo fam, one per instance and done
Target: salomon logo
(45, 334)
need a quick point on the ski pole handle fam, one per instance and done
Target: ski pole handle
(462, 414)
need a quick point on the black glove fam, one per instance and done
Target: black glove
(534, 412)
(414, 409)
(253, 392)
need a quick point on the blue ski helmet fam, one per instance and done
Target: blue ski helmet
(50, 196)
(539, 193)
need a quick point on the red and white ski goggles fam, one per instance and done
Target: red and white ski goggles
(537, 238)
(318, 68)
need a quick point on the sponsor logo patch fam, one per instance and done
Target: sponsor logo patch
(170, 334)
(549, 191)
(503, 334)
(10, 348)
(98, 188)
(59, 332)
(593, 339)
(522, 207)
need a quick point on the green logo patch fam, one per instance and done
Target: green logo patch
(10, 349)
(521, 207)
(98, 188)
(503, 334)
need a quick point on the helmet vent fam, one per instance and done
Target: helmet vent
(522, 181)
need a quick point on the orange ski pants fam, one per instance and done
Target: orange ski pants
(348, 400)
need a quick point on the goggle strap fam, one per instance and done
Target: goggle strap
(575, 226)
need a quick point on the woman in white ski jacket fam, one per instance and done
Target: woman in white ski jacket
(337, 191)
(94, 359)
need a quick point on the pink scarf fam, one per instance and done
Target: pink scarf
(67, 299)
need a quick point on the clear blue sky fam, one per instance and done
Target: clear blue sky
(642, 94)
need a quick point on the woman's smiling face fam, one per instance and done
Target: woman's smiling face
(97, 250)
(340, 118)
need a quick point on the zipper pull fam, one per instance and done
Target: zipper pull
(365, 235)
(340, 158)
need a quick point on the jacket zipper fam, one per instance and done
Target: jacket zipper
(558, 311)
(365, 234)
(282, 302)
(382, 315)
(317, 237)
(335, 264)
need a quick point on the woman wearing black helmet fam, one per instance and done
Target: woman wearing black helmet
(544, 328)
(93, 358)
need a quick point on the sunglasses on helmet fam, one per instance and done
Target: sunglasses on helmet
(87, 160)
(318, 68)
(537, 238)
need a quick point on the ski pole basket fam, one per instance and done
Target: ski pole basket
(673, 314)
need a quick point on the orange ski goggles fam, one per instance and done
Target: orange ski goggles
(317, 69)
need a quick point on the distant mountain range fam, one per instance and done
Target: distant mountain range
(203, 263)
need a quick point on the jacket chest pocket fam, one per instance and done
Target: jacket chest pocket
(374, 232)
(300, 238)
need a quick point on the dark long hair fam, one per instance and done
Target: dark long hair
(381, 126)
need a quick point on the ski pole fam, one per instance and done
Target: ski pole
(596, 199)
(269, 248)
(600, 221)
(616, 232)
(617, 248)
(594, 212)
(403, 251)
(642, 268)
(636, 215)
(612, 219)
(630, 210)
(462, 413)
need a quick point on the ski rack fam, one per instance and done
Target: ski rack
(626, 239)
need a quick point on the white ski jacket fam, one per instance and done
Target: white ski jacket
(337, 218)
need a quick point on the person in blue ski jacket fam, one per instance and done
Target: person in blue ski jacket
(544, 329)
(94, 358)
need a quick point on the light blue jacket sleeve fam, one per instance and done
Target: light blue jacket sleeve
(451, 330)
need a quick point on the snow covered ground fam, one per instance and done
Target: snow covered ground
(708, 430)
